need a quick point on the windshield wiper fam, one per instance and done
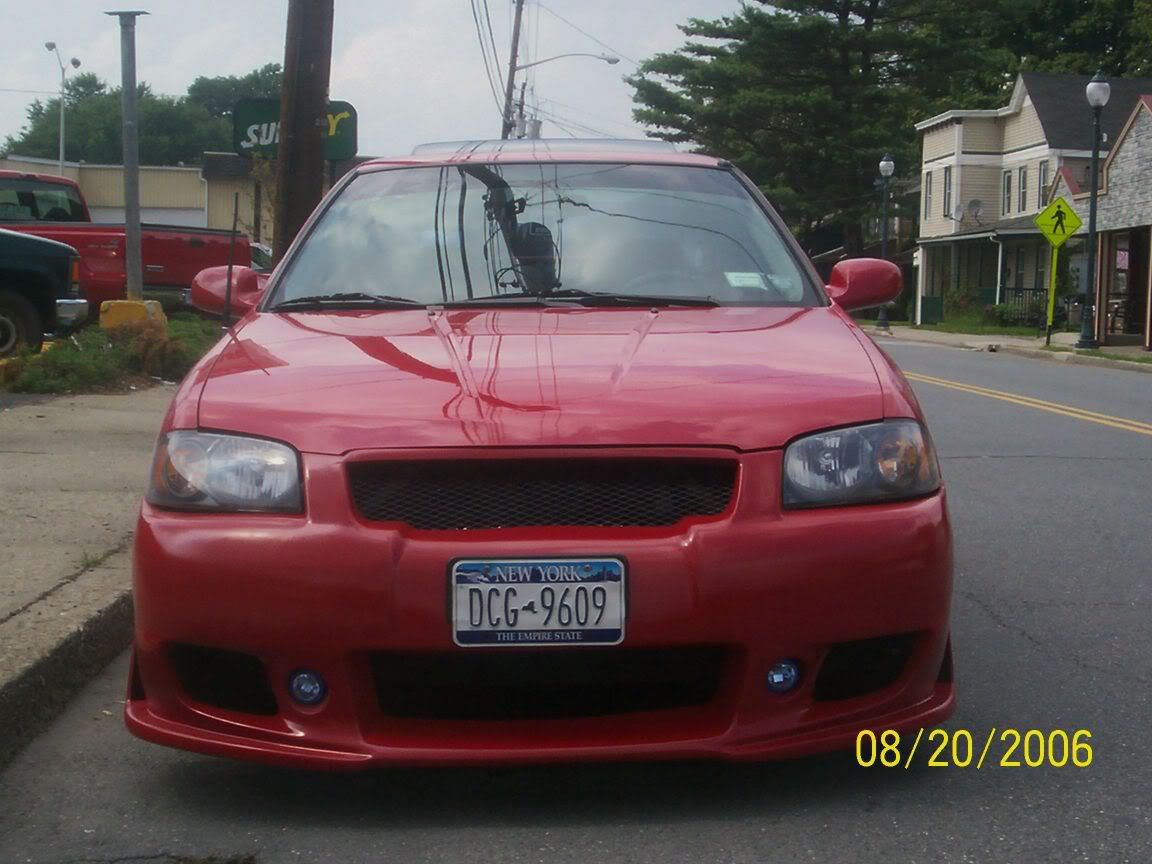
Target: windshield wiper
(348, 299)
(522, 298)
(585, 298)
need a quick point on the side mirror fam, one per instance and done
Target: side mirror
(858, 283)
(210, 287)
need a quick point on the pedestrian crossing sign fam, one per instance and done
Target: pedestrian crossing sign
(1057, 222)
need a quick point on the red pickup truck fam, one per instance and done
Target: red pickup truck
(53, 207)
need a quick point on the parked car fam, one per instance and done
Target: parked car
(39, 291)
(533, 451)
(53, 207)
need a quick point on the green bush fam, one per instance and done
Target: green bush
(87, 361)
(95, 359)
(1001, 314)
(960, 300)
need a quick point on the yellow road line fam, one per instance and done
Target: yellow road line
(1124, 423)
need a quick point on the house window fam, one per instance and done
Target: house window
(1007, 208)
(927, 194)
(1042, 191)
(1023, 184)
(947, 190)
(1041, 271)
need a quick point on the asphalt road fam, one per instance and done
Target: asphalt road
(1051, 631)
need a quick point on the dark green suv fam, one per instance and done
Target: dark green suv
(39, 291)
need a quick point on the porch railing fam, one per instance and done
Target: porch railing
(1029, 305)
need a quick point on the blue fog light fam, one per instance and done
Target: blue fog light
(307, 688)
(783, 676)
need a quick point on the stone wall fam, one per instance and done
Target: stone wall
(1128, 201)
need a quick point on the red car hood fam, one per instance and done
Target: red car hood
(743, 377)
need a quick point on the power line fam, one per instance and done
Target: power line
(562, 127)
(579, 29)
(568, 120)
(488, 73)
(535, 46)
(632, 126)
(492, 42)
(484, 54)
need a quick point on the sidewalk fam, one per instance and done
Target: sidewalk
(72, 470)
(1019, 345)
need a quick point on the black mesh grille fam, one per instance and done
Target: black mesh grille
(506, 494)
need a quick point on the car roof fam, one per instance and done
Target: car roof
(647, 152)
(45, 178)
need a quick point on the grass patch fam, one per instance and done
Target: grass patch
(976, 326)
(1106, 355)
(95, 360)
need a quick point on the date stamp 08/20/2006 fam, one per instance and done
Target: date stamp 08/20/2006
(961, 748)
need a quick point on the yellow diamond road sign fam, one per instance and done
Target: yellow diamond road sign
(1057, 222)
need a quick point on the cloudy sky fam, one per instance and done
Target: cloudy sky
(412, 68)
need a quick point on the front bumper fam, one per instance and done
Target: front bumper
(70, 314)
(328, 592)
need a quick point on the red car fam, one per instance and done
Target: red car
(532, 452)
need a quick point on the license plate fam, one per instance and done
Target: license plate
(538, 601)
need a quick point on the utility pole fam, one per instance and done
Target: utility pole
(510, 84)
(303, 107)
(131, 150)
(521, 129)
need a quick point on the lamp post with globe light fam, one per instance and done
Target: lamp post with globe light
(887, 168)
(75, 64)
(1097, 92)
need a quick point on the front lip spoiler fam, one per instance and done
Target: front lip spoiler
(143, 723)
(70, 314)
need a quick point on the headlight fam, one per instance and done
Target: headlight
(880, 462)
(208, 471)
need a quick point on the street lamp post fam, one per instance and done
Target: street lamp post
(75, 64)
(610, 59)
(509, 122)
(887, 168)
(1097, 92)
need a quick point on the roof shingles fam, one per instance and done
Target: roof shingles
(1064, 113)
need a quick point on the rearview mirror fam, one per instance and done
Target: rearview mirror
(858, 283)
(210, 287)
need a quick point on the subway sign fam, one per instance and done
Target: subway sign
(256, 129)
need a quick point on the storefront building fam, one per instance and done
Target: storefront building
(1124, 231)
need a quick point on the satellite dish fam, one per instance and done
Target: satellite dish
(958, 213)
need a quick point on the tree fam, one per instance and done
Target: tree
(218, 95)
(1078, 36)
(172, 128)
(807, 95)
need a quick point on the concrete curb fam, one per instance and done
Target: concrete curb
(63, 639)
(880, 338)
(1075, 359)
(990, 345)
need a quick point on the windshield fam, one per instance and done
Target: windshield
(35, 201)
(473, 231)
